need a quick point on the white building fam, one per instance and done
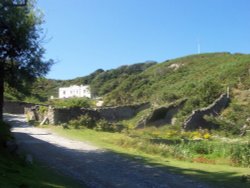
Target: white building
(74, 91)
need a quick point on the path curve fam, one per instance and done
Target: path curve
(92, 166)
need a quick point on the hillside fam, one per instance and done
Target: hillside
(101, 82)
(198, 78)
(195, 81)
(162, 82)
(185, 77)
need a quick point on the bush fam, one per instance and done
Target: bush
(83, 121)
(240, 154)
(43, 109)
(72, 102)
(103, 125)
(168, 97)
(180, 145)
(209, 90)
(225, 127)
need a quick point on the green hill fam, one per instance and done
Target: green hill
(101, 82)
(190, 76)
(198, 78)
(159, 83)
(162, 82)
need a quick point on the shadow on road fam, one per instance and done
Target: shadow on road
(101, 168)
(14, 120)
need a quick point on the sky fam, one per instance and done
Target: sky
(85, 35)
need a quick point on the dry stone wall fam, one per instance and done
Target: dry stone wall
(162, 115)
(196, 119)
(16, 107)
(63, 115)
(121, 112)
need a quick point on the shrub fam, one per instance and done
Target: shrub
(43, 109)
(200, 148)
(72, 102)
(207, 136)
(240, 154)
(202, 151)
(225, 127)
(103, 125)
(83, 121)
(168, 97)
(209, 90)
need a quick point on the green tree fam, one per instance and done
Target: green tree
(21, 52)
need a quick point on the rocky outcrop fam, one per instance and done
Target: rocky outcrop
(196, 119)
(162, 115)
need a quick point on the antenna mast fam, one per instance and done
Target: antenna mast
(198, 46)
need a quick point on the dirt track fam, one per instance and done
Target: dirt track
(90, 165)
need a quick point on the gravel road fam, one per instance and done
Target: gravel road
(94, 167)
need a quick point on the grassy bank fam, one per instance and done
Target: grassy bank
(15, 172)
(219, 175)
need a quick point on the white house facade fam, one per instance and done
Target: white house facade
(74, 91)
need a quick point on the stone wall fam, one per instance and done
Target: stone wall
(196, 119)
(63, 115)
(15, 107)
(121, 112)
(162, 115)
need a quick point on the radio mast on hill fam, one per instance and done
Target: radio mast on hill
(198, 46)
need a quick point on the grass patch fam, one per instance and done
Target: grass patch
(217, 175)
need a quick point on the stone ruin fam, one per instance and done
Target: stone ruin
(14, 107)
(63, 115)
(161, 115)
(245, 129)
(196, 119)
(158, 117)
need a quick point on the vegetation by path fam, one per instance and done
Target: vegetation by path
(15, 172)
(218, 175)
(94, 166)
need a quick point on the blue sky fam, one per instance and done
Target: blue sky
(84, 35)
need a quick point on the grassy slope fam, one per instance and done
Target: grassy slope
(101, 82)
(161, 84)
(200, 79)
(221, 68)
(217, 175)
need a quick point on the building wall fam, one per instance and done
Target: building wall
(74, 91)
